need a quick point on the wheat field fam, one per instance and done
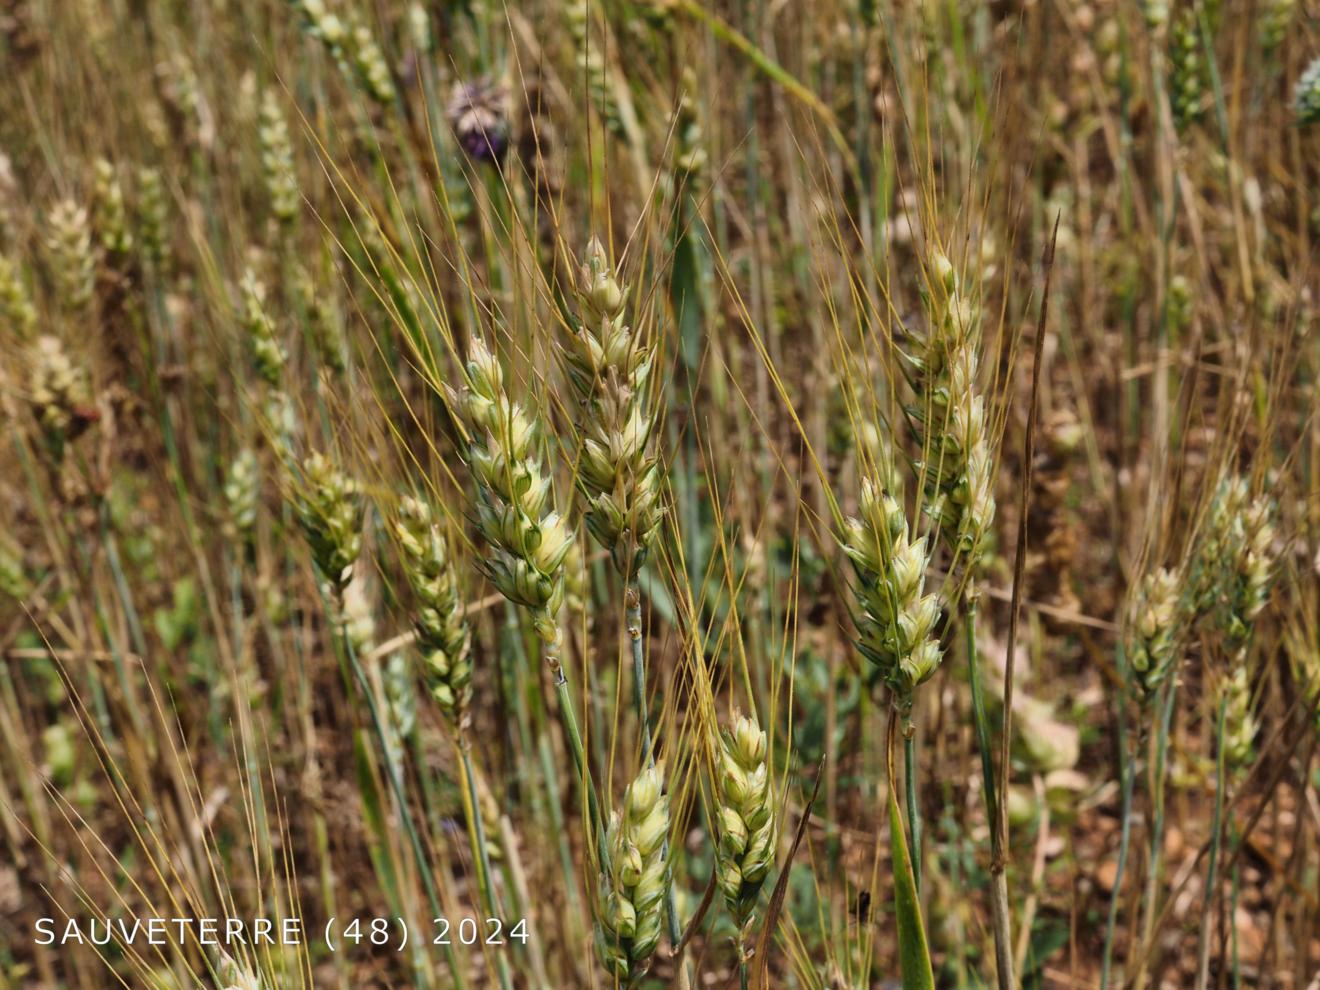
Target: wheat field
(659, 493)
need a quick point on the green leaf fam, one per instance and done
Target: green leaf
(913, 953)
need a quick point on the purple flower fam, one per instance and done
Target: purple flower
(476, 113)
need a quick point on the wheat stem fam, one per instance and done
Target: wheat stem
(401, 798)
(633, 601)
(480, 852)
(568, 718)
(913, 808)
(1000, 915)
(1127, 780)
(1212, 867)
(1156, 777)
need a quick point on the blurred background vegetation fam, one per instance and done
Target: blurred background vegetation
(275, 643)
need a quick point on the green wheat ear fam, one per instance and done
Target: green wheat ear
(609, 368)
(528, 538)
(1159, 618)
(1186, 70)
(59, 390)
(331, 510)
(268, 355)
(443, 639)
(1306, 97)
(17, 314)
(235, 976)
(1272, 20)
(69, 243)
(242, 492)
(1239, 722)
(748, 828)
(896, 618)
(1234, 567)
(634, 879)
(277, 160)
(957, 461)
(109, 212)
(152, 215)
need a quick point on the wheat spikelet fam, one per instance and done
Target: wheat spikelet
(109, 212)
(1273, 18)
(323, 322)
(235, 976)
(242, 491)
(1186, 70)
(957, 462)
(1157, 616)
(268, 355)
(1239, 722)
(896, 619)
(1235, 560)
(1306, 95)
(17, 314)
(277, 160)
(59, 391)
(152, 216)
(323, 25)
(609, 369)
(748, 833)
(400, 705)
(69, 242)
(515, 513)
(443, 639)
(372, 70)
(634, 879)
(349, 41)
(330, 509)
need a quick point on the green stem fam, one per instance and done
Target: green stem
(1156, 834)
(1126, 778)
(725, 32)
(998, 878)
(1235, 889)
(405, 812)
(979, 718)
(530, 710)
(480, 852)
(913, 807)
(130, 614)
(633, 600)
(569, 720)
(1212, 868)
